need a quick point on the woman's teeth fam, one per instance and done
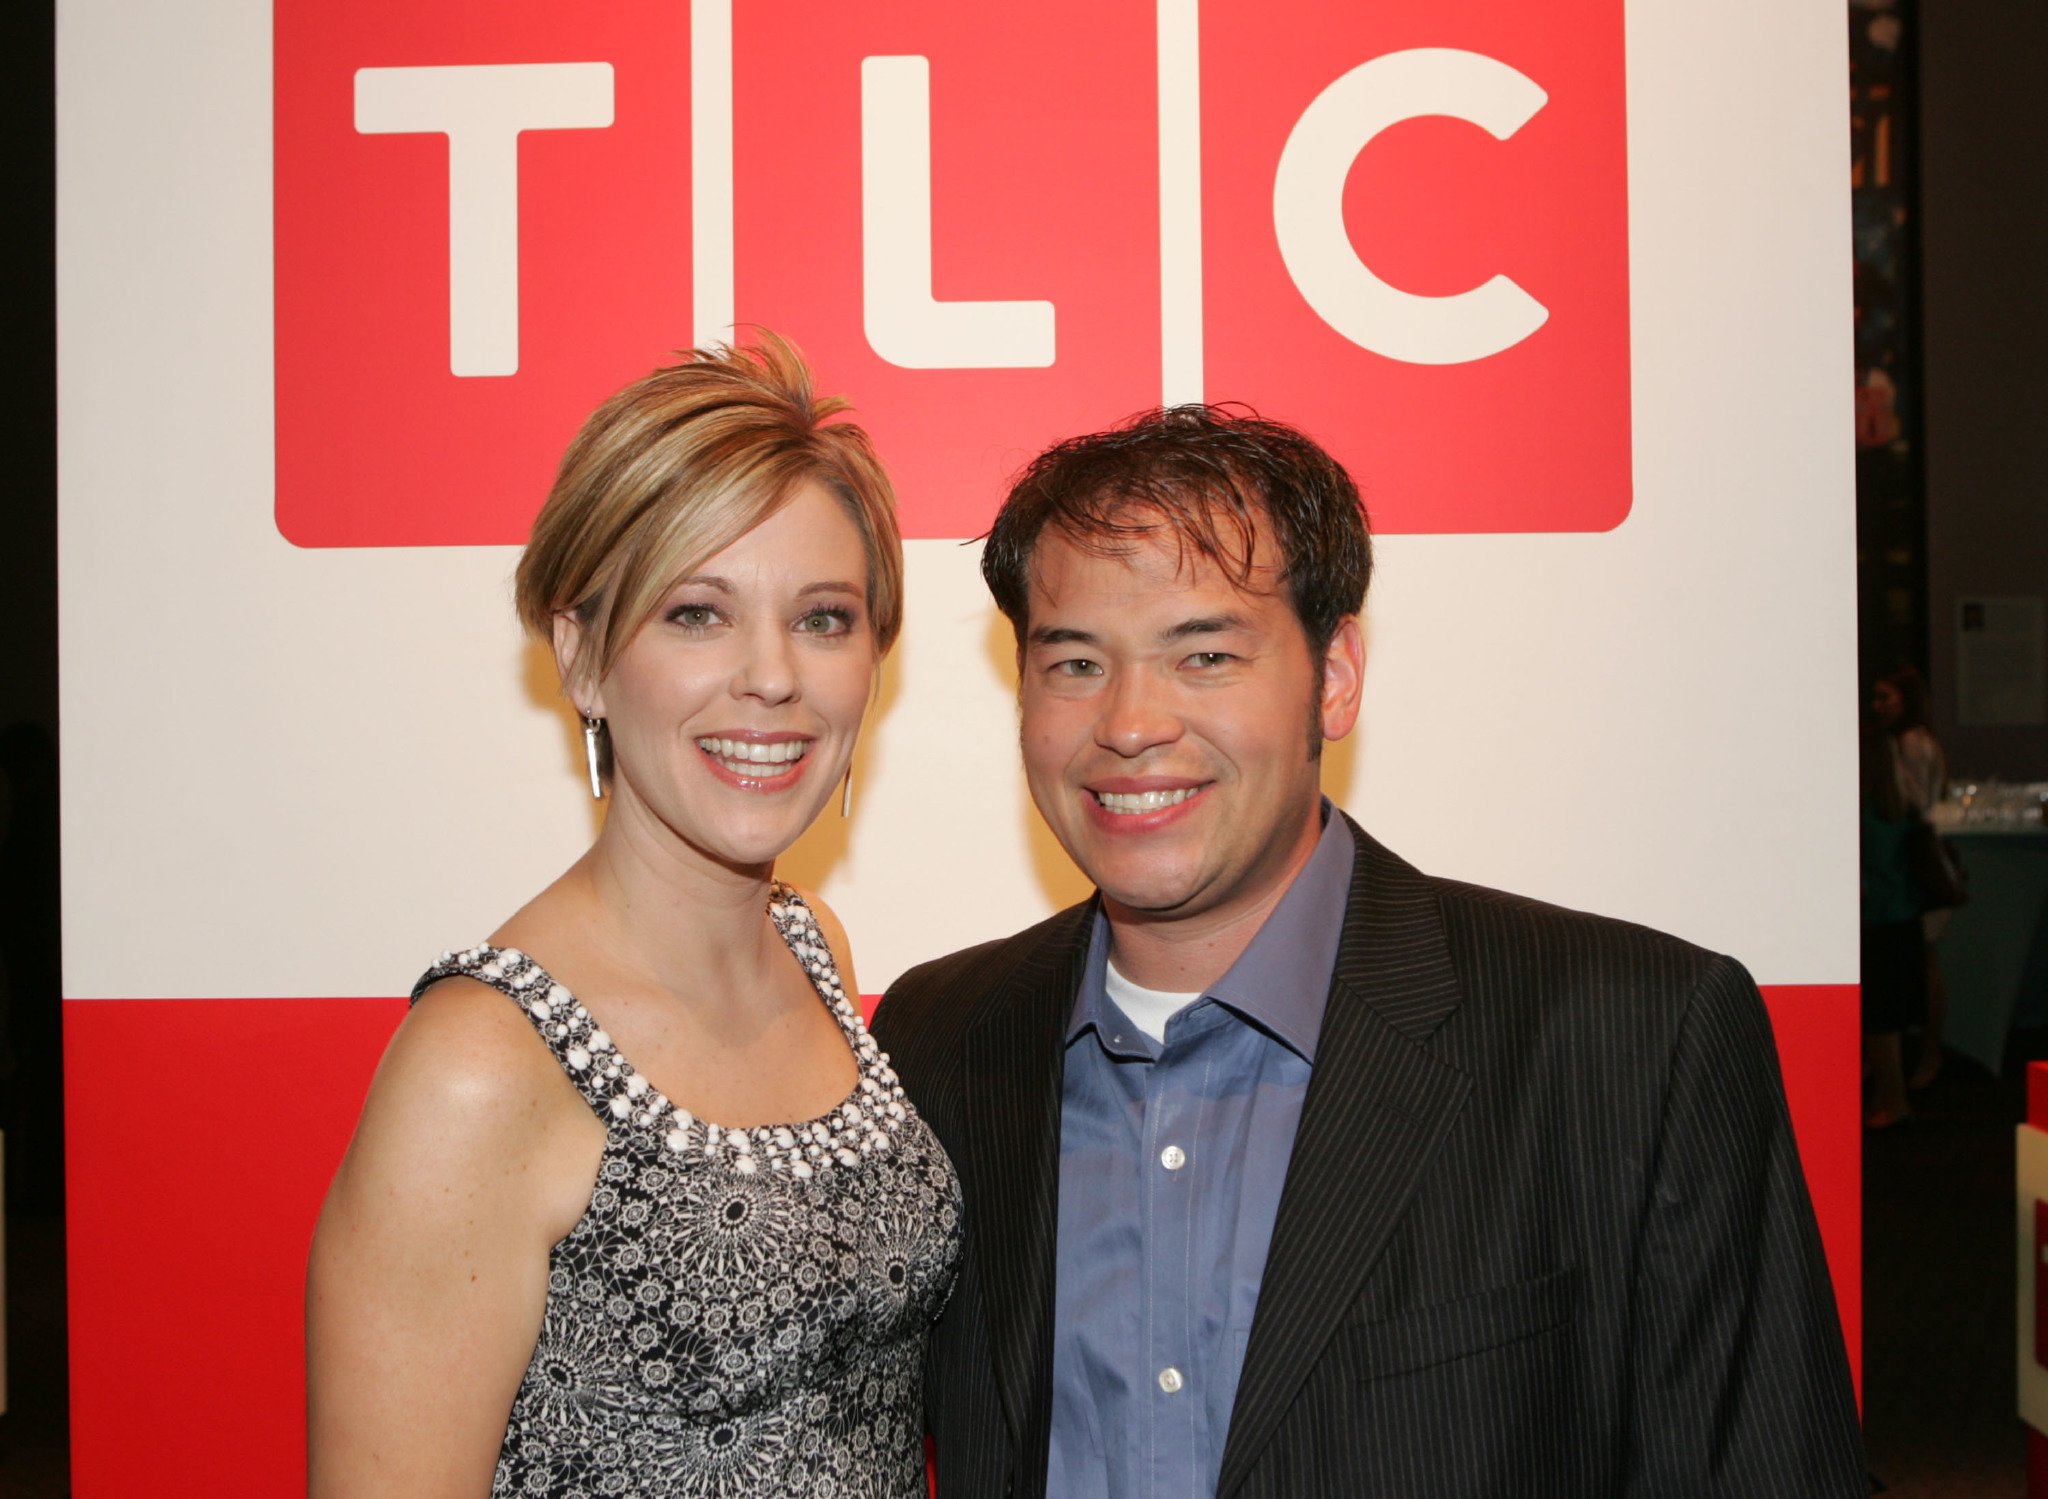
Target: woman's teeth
(1125, 802)
(745, 757)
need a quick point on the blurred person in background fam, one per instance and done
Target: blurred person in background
(1899, 698)
(1894, 960)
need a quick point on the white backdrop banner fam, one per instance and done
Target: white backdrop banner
(1567, 287)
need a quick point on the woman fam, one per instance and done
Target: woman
(1894, 968)
(1899, 699)
(542, 1269)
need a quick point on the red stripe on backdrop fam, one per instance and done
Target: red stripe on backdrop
(200, 1136)
(1820, 1047)
(199, 1139)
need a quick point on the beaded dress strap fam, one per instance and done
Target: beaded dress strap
(585, 1053)
(864, 1124)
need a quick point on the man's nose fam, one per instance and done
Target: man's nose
(1138, 714)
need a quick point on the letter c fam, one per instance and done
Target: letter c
(1308, 205)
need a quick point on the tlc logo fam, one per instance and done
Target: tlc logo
(1401, 226)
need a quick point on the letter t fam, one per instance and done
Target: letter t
(482, 110)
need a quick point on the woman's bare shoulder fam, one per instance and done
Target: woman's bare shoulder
(465, 1045)
(468, 1097)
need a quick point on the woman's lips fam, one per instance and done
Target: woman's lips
(756, 763)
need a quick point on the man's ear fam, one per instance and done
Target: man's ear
(1343, 678)
(574, 671)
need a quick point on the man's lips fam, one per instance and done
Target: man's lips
(1134, 803)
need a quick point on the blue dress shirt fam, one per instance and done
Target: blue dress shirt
(1172, 1157)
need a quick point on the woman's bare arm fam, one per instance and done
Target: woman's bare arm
(428, 1276)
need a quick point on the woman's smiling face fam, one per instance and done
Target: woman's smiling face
(734, 708)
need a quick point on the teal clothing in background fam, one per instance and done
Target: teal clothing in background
(1888, 893)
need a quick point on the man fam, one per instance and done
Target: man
(1290, 1170)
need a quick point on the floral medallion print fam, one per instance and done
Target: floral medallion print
(739, 1312)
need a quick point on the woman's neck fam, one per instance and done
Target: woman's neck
(671, 913)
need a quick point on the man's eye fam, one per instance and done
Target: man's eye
(1076, 667)
(1206, 659)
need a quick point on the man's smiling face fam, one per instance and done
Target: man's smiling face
(1163, 716)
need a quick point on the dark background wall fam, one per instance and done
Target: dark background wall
(1984, 238)
(28, 509)
(33, 1459)
(31, 1071)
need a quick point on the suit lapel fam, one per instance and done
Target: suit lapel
(1014, 1055)
(1378, 1107)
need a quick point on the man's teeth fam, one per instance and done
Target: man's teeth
(1144, 801)
(744, 756)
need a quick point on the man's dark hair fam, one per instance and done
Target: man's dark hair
(1204, 474)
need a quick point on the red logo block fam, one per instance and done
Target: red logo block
(954, 210)
(483, 229)
(1401, 227)
(1416, 248)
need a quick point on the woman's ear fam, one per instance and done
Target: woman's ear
(573, 669)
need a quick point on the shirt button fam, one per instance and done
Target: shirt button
(1170, 1380)
(1173, 1158)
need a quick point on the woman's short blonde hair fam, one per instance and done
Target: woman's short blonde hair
(677, 467)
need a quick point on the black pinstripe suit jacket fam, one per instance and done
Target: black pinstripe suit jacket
(1544, 1230)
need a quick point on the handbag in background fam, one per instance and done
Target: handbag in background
(1937, 869)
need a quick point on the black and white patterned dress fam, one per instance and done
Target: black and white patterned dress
(739, 1312)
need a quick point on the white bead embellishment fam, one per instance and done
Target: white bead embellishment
(857, 1128)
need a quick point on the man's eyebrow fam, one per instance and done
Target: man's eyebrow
(1062, 635)
(1205, 624)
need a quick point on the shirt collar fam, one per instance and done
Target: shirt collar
(1280, 982)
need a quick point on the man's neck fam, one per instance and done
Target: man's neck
(1187, 954)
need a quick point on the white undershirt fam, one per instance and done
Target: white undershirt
(1148, 1009)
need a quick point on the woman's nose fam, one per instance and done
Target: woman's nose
(767, 667)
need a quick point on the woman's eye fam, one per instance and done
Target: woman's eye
(826, 622)
(694, 616)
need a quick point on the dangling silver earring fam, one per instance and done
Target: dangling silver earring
(846, 793)
(593, 753)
